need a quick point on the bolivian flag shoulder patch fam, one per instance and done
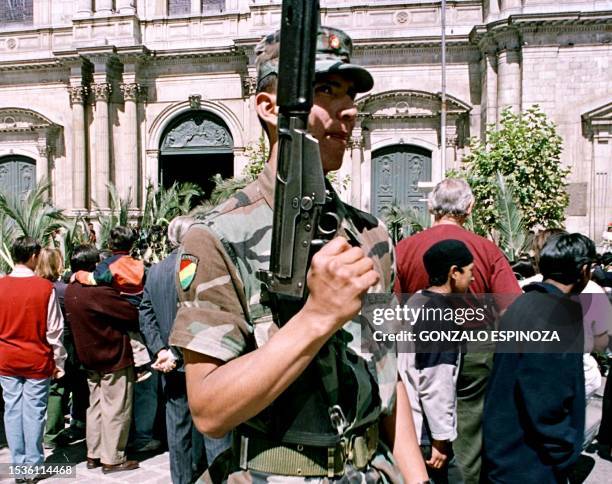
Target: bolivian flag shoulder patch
(187, 270)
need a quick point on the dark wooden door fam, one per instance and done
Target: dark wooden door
(17, 175)
(396, 172)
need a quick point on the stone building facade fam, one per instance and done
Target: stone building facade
(132, 91)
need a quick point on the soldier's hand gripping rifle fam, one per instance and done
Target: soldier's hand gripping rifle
(300, 183)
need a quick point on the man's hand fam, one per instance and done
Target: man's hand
(58, 373)
(339, 275)
(440, 450)
(165, 361)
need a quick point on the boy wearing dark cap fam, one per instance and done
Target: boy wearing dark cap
(305, 402)
(430, 371)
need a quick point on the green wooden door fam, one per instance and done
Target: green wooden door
(17, 175)
(396, 172)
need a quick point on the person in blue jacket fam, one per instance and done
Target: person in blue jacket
(534, 411)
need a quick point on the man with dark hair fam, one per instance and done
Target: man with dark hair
(31, 351)
(294, 394)
(534, 413)
(100, 319)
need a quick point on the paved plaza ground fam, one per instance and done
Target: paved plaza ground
(154, 466)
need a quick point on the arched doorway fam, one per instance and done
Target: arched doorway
(17, 175)
(194, 147)
(396, 173)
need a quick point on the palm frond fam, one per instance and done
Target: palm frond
(117, 213)
(76, 234)
(225, 188)
(33, 215)
(510, 224)
(7, 235)
(404, 221)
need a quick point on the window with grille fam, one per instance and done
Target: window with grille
(16, 12)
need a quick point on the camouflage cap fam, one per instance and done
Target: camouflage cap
(334, 48)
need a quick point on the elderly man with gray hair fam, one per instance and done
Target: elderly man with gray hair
(157, 312)
(451, 203)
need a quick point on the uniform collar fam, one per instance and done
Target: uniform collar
(265, 184)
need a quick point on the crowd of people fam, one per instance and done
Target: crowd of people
(253, 394)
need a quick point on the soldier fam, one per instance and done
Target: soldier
(304, 401)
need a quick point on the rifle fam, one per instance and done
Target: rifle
(300, 183)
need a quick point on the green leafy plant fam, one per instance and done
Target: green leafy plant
(526, 151)
(161, 206)
(32, 216)
(75, 234)
(510, 222)
(258, 154)
(402, 222)
(117, 213)
(7, 235)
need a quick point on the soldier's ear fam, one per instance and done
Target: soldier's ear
(267, 110)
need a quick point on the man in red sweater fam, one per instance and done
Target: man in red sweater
(31, 351)
(451, 203)
(100, 319)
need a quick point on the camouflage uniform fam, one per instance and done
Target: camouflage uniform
(221, 315)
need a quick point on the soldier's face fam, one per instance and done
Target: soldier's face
(332, 118)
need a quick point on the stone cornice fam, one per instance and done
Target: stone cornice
(597, 120)
(31, 64)
(552, 22)
(229, 52)
(455, 41)
(38, 121)
(454, 105)
(133, 54)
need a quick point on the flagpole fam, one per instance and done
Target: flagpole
(443, 91)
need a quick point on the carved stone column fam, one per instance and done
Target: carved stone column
(249, 85)
(451, 147)
(126, 171)
(126, 6)
(152, 167)
(509, 80)
(490, 74)
(78, 96)
(43, 168)
(196, 7)
(104, 7)
(356, 146)
(84, 8)
(101, 169)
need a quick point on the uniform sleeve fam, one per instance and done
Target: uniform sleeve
(211, 318)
